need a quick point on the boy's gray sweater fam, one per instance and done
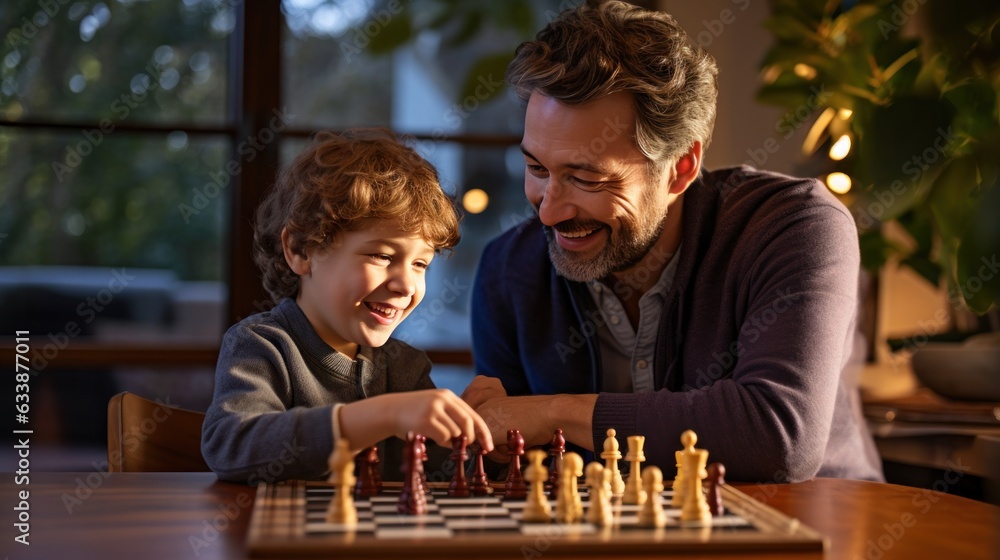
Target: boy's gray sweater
(275, 386)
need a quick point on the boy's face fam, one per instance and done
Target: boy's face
(359, 289)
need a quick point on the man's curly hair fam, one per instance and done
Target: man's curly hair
(334, 186)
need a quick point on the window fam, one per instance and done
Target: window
(136, 138)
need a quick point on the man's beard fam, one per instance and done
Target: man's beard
(622, 251)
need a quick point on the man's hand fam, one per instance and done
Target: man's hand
(537, 417)
(483, 389)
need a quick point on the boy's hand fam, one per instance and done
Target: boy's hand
(440, 415)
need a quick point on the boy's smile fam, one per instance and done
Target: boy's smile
(358, 290)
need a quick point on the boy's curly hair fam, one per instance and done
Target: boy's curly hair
(336, 184)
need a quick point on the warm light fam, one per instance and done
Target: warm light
(845, 114)
(838, 182)
(840, 148)
(771, 73)
(804, 71)
(475, 201)
(818, 131)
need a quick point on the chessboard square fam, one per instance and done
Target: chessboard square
(413, 533)
(473, 511)
(409, 520)
(730, 521)
(320, 516)
(557, 530)
(383, 509)
(324, 527)
(384, 499)
(467, 524)
(471, 501)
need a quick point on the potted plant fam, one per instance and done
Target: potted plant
(907, 132)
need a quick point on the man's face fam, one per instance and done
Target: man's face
(591, 186)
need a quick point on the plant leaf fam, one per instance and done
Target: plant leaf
(485, 78)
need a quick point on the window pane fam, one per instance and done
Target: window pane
(405, 65)
(442, 319)
(123, 60)
(124, 237)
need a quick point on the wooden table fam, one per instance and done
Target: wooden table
(177, 516)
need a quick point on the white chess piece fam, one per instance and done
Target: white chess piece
(634, 494)
(569, 506)
(651, 513)
(342, 510)
(599, 481)
(537, 508)
(611, 455)
(695, 506)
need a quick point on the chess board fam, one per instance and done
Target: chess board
(289, 520)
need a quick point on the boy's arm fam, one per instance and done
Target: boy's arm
(250, 432)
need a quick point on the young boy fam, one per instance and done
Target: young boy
(343, 240)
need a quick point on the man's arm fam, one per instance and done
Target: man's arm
(770, 417)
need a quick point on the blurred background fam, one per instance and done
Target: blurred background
(137, 137)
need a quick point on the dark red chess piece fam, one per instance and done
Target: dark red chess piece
(515, 487)
(411, 499)
(367, 465)
(458, 488)
(480, 485)
(716, 478)
(557, 448)
(423, 457)
(374, 461)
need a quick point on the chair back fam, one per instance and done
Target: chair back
(150, 436)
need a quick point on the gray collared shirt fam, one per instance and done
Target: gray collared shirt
(626, 354)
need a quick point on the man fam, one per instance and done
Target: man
(653, 297)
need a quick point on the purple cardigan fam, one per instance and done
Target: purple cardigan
(756, 331)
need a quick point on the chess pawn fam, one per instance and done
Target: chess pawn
(342, 510)
(569, 506)
(695, 507)
(537, 508)
(634, 494)
(480, 485)
(411, 499)
(459, 487)
(515, 488)
(611, 455)
(557, 448)
(423, 458)
(599, 481)
(716, 478)
(368, 484)
(651, 513)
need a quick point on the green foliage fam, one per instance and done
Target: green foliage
(87, 196)
(916, 86)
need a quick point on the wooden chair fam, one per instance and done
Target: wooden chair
(148, 436)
